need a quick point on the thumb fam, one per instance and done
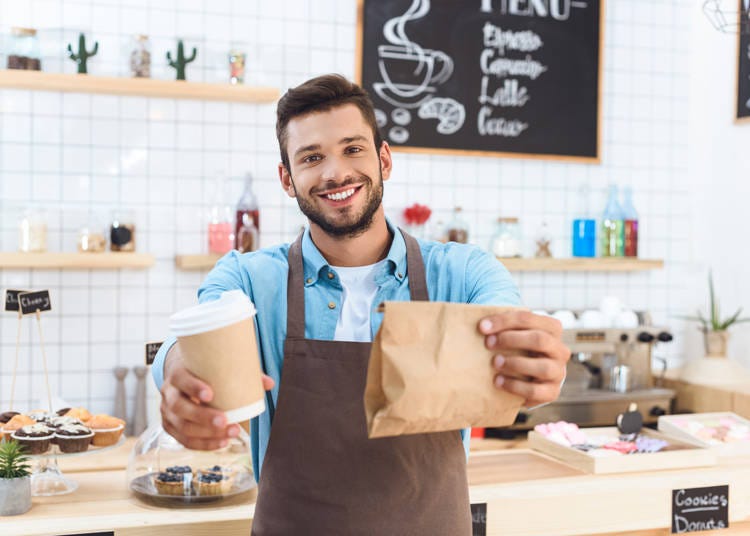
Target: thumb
(268, 382)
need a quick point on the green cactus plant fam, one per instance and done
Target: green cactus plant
(83, 55)
(181, 61)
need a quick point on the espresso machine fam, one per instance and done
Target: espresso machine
(609, 368)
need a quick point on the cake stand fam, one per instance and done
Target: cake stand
(46, 477)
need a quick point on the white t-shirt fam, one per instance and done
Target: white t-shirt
(359, 293)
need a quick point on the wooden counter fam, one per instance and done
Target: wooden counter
(526, 493)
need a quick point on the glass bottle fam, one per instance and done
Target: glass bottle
(506, 242)
(247, 206)
(220, 224)
(630, 217)
(236, 67)
(32, 232)
(612, 239)
(122, 231)
(140, 57)
(543, 242)
(247, 236)
(24, 52)
(457, 230)
(584, 227)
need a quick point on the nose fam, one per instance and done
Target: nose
(336, 169)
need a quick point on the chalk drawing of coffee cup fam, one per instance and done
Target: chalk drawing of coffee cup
(410, 73)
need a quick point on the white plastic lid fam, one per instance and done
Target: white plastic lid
(231, 307)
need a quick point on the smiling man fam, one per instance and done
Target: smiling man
(316, 300)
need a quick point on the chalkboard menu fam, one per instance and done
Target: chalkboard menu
(743, 63)
(516, 77)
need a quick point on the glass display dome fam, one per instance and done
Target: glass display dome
(161, 470)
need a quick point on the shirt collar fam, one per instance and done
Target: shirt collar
(315, 265)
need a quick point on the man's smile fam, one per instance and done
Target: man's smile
(340, 196)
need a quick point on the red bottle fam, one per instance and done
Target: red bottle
(247, 214)
(630, 229)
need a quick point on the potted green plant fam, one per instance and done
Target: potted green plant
(15, 479)
(714, 327)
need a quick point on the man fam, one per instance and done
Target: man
(316, 300)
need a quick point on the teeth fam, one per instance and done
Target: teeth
(341, 195)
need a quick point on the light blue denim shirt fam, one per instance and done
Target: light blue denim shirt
(454, 272)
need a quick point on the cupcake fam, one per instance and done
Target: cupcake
(174, 481)
(6, 416)
(107, 430)
(73, 438)
(35, 438)
(40, 415)
(16, 423)
(82, 414)
(210, 483)
(62, 411)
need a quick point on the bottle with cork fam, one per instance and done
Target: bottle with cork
(247, 219)
(630, 223)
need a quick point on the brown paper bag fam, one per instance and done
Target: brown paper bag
(430, 371)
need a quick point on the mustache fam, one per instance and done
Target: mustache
(332, 185)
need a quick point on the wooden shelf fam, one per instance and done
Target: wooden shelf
(76, 261)
(196, 262)
(144, 87)
(581, 264)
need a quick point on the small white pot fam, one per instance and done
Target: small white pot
(15, 496)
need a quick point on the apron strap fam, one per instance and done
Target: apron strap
(415, 269)
(295, 291)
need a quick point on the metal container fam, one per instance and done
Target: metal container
(621, 379)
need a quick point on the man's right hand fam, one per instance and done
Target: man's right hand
(185, 415)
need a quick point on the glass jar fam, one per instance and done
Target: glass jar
(457, 230)
(122, 232)
(140, 57)
(32, 232)
(24, 52)
(91, 240)
(506, 242)
(236, 67)
(543, 242)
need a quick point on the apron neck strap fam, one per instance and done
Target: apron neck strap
(295, 295)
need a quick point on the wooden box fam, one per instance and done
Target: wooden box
(677, 455)
(674, 426)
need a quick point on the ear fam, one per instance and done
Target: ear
(386, 163)
(286, 181)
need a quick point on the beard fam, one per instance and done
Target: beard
(348, 224)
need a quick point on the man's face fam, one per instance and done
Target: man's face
(336, 173)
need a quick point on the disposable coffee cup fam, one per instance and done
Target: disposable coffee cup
(218, 345)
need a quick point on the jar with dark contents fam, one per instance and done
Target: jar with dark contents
(457, 230)
(122, 233)
(24, 52)
(140, 57)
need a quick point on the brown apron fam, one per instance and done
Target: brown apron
(321, 474)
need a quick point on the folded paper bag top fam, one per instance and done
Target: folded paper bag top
(430, 371)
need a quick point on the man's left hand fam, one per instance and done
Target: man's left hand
(530, 356)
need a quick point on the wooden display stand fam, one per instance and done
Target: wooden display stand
(695, 398)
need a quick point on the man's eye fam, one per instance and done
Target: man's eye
(354, 149)
(311, 158)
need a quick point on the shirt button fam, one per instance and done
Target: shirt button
(331, 305)
(330, 275)
(399, 275)
(308, 280)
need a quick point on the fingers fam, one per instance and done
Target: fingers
(190, 385)
(536, 369)
(519, 320)
(532, 393)
(532, 340)
(268, 382)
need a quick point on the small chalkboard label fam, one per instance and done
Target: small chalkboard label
(697, 509)
(31, 302)
(479, 519)
(11, 299)
(151, 349)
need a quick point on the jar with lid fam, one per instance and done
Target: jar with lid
(457, 230)
(24, 52)
(32, 232)
(236, 67)
(140, 57)
(506, 242)
(122, 231)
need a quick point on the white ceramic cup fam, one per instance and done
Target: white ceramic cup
(218, 344)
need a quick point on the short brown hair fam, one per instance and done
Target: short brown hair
(321, 94)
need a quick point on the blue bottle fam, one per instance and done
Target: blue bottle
(584, 228)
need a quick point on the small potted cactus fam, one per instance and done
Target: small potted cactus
(15, 479)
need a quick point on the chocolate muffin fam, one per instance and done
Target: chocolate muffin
(35, 438)
(73, 437)
(6, 416)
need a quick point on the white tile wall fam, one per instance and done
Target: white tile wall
(79, 156)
